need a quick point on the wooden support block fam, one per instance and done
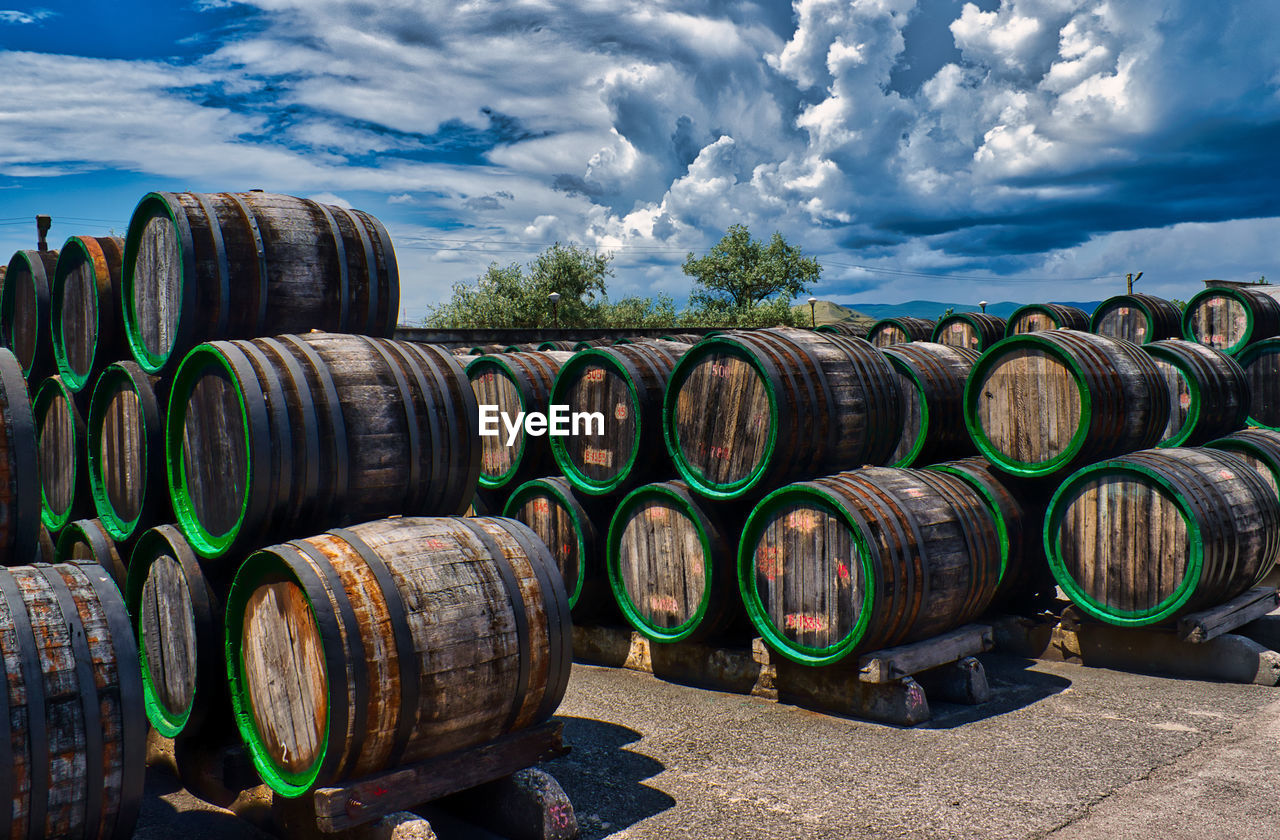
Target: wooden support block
(883, 666)
(1226, 618)
(527, 805)
(1159, 650)
(369, 799)
(718, 668)
(1029, 636)
(963, 681)
(296, 820)
(839, 690)
(1265, 631)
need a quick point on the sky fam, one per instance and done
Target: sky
(1021, 150)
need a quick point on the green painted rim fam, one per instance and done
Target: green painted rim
(74, 381)
(1227, 293)
(49, 390)
(165, 722)
(119, 529)
(260, 567)
(197, 361)
(1125, 618)
(580, 481)
(146, 359)
(671, 434)
(993, 504)
(658, 634)
(1193, 388)
(979, 436)
(541, 485)
(819, 497)
(475, 369)
(923, 435)
(1247, 357)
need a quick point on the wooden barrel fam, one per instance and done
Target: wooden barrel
(60, 442)
(1018, 506)
(485, 349)
(280, 436)
(178, 622)
(972, 330)
(72, 762)
(671, 559)
(1208, 392)
(125, 449)
(513, 384)
(682, 338)
(1261, 363)
(87, 330)
(1152, 535)
(24, 312)
(747, 412)
(20, 524)
(1046, 403)
(843, 328)
(573, 526)
(1230, 319)
(391, 642)
(203, 266)
(624, 385)
(889, 331)
(931, 379)
(593, 342)
(1137, 318)
(1259, 448)
(86, 541)
(866, 559)
(1036, 317)
(563, 345)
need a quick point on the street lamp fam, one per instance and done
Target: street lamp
(555, 308)
(813, 312)
(983, 304)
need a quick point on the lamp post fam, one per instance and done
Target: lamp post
(813, 312)
(555, 308)
(983, 304)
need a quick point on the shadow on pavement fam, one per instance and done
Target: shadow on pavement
(1013, 686)
(170, 813)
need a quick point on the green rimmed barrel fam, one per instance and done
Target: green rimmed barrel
(573, 527)
(125, 451)
(514, 384)
(390, 642)
(1209, 393)
(85, 540)
(1259, 448)
(20, 525)
(1046, 403)
(592, 342)
(562, 345)
(73, 759)
(747, 412)
(624, 385)
(1230, 319)
(204, 266)
(277, 436)
(889, 331)
(1261, 364)
(60, 440)
(931, 379)
(866, 559)
(843, 328)
(1138, 318)
(1036, 317)
(24, 312)
(971, 330)
(670, 556)
(1147, 537)
(87, 330)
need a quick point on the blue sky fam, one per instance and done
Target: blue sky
(1003, 149)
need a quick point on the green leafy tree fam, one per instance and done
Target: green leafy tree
(742, 282)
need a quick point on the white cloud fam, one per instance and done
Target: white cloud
(19, 18)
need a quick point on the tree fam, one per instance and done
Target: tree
(743, 272)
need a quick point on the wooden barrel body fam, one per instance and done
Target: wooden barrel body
(204, 266)
(971, 330)
(20, 524)
(390, 642)
(60, 441)
(1261, 363)
(1259, 448)
(746, 412)
(671, 558)
(1152, 535)
(24, 312)
(931, 379)
(682, 338)
(74, 765)
(485, 349)
(125, 451)
(1046, 403)
(1209, 394)
(87, 330)
(178, 623)
(1230, 319)
(510, 385)
(592, 342)
(573, 526)
(1018, 506)
(624, 386)
(561, 345)
(889, 331)
(843, 328)
(1137, 318)
(280, 436)
(1036, 317)
(866, 559)
(86, 541)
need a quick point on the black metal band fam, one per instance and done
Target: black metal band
(436, 444)
(37, 732)
(339, 467)
(410, 414)
(252, 221)
(224, 270)
(309, 423)
(344, 279)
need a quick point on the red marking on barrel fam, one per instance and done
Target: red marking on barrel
(541, 506)
(620, 411)
(805, 623)
(842, 571)
(594, 375)
(597, 457)
(769, 561)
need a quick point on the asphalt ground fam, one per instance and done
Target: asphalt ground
(1062, 751)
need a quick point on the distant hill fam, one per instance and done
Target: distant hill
(933, 309)
(832, 313)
